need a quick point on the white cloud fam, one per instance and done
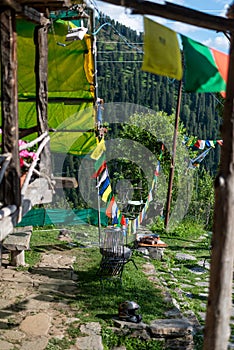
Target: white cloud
(219, 42)
(183, 28)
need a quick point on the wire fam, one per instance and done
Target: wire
(217, 100)
(117, 42)
(116, 51)
(119, 34)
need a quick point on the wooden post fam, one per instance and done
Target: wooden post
(41, 73)
(10, 191)
(217, 330)
(172, 168)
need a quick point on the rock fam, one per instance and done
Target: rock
(36, 325)
(91, 328)
(92, 342)
(170, 328)
(183, 256)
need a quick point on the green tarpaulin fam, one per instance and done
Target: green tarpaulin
(70, 75)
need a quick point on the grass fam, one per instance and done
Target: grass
(95, 303)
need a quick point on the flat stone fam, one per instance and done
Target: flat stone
(183, 256)
(197, 269)
(13, 335)
(4, 345)
(149, 269)
(170, 327)
(40, 343)
(131, 325)
(92, 342)
(91, 328)
(37, 325)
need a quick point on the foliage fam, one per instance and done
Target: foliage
(120, 79)
(202, 203)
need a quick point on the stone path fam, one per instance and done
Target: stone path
(30, 305)
(202, 281)
(34, 305)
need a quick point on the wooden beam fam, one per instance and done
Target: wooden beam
(35, 16)
(10, 136)
(14, 5)
(177, 13)
(65, 100)
(41, 73)
(217, 329)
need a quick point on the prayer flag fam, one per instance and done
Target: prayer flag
(206, 69)
(103, 178)
(220, 142)
(99, 161)
(200, 144)
(105, 184)
(100, 170)
(100, 148)
(161, 51)
(106, 193)
(109, 207)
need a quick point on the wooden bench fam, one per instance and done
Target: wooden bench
(17, 242)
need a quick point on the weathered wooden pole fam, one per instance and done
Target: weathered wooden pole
(41, 74)
(172, 167)
(217, 329)
(10, 191)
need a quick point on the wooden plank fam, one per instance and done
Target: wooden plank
(41, 73)
(10, 191)
(162, 245)
(65, 182)
(177, 13)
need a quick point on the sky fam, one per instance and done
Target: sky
(216, 40)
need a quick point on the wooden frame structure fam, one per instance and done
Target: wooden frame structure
(14, 200)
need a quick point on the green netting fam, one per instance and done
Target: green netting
(44, 217)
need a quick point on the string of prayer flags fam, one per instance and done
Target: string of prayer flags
(202, 144)
(206, 69)
(162, 54)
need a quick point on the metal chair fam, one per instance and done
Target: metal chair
(115, 255)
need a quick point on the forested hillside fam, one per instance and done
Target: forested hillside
(120, 79)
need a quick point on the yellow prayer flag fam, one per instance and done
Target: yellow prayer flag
(162, 54)
(100, 148)
(106, 193)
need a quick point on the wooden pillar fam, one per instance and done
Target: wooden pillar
(41, 73)
(10, 189)
(217, 330)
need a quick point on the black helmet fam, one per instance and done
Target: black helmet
(127, 312)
